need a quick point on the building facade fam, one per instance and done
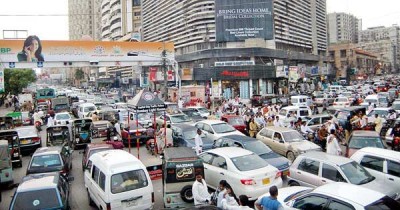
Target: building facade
(84, 19)
(343, 27)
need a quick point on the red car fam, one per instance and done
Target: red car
(236, 121)
(382, 88)
(92, 149)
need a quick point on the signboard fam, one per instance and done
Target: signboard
(237, 20)
(235, 63)
(293, 74)
(281, 71)
(76, 51)
(155, 172)
(1, 80)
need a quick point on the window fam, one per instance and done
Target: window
(127, 181)
(373, 163)
(334, 205)
(219, 162)
(38, 199)
(89, 166)
(207, 128)
(331, 173)
(102, 181)
(207, 158)
(136, 13)
(393, 168)
(95, 174)
(249, 162)
(314, 121)
(309, 166)
(311, 202)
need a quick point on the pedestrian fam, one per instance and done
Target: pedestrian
(198, 142)
(118, 132)
(278, 123)
(180, 103)
(333, 146)
(218, 195)
(50, 120)
(200, 191)
(168, 137)
(269, 202)
(229, 197)
(161, 138)
(253, 128)
(378, 123)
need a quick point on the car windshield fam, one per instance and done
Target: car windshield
(292, 136)
(37, 199)
(396, 106)
(249, 162)
(236, 121)
(46, 161)
(63, 117)
(358, 142)
(223, 128)
(342, 115)
(382, 113)
(27, 132)
(127, 181)
(89, 109)
(257, 147)
(179, 118)
(297, 194)
(356, 174)
(382, 100)
(203, 110)
(373, 101)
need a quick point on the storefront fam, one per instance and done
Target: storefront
(242, 81)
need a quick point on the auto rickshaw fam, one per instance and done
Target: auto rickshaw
(6, 172)
(13, 145)
(17, 118)
(81, 132)
(179, 166)
(6, 123)
(58, 135)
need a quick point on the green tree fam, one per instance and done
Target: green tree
(79, 74)
(17, 79)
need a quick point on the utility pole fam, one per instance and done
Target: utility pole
(164, 67)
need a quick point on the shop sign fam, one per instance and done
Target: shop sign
(235, 73)
(235, 63)
(293, 74)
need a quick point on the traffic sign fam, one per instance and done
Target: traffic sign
(11, 65)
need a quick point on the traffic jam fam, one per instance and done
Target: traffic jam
(324, 146)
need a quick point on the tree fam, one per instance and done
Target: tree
(17, 79)
(79, 74)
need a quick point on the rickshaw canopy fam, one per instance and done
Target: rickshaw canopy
(6, 122)
(82, 124)
(11, 136)
(58, 135)
(4, 155)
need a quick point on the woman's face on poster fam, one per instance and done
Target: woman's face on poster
(34, 46)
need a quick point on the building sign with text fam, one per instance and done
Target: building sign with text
(237, 20)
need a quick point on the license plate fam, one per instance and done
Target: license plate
(25, 141)
(265, 181)
(131, 203)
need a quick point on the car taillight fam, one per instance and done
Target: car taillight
(152, 197)
(335, 103)
(36, 139)
(247, 182)
(7, 174)
(108, 206)
(278, 174)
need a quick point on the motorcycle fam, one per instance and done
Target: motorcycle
(396, 144)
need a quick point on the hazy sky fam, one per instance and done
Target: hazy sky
(372, 12)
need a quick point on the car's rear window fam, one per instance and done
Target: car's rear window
(358, 142)
(38, 199)
(249, 162)
(127, 181)
(46, 161)
(384, 203)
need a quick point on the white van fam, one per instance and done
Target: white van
(299, 100)
(300, 111)
(85, 108)
(373, 99)
(336, 88)
(115, 179)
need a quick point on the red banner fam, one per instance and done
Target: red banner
(153, 74)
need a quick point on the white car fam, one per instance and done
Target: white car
(337, 195)
(246, 172)
(381, 111)
(201, 110)
(62, 118)
(341, 102)
(383, 164)
(216, 129)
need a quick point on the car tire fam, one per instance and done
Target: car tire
(293, 183)
(91, 203)
(186, 194)
(290, 155)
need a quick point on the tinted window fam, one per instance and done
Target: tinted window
(38, 199)
(44, 161)
(223, 128)
(334, 205)
(310, 166)
(315, 121)
(219, 162)
(95, 174)
(127, 181)
(393, 168)
(311, 202)
(373, 163)
(304, 112)
(207, 158)
(102, 181)
(331, 173)
(248, 162)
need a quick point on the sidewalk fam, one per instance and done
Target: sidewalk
(4, 110)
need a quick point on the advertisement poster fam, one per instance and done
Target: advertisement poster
(237, 20)
(293, 74)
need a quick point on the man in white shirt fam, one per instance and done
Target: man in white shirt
(200, 191)
(198, 142)
(169, 138)
(180, 103)
(332, 146)
(305, 129)
(50, 121)
(118, 130)
(277, 123)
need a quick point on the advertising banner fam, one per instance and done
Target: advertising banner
(1, 80)
(237, 20)
(34, 50)
(293, 74)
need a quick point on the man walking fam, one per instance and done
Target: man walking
(198, 142)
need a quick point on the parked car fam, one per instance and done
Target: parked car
(359, 139)
(396, 106)
(316, 121)
(319, 99)
(193, 115)
(201, 110)
(337, 195)
(236, 121)
(29, 138)
(216, 128)
(183, 136)
(341, 102)
(42, 191)
(383, 164)
(62, 118)
(50, 159)
(93, 149)
(285, 141)
(247, 173)
(171, 119)
(256, 146)
(318, 168)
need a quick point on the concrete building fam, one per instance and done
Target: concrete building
(84, 19)
(239, 61)
(343, 27)
(384, 42)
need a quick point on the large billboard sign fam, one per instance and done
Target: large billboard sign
(32, 50)
(237, 20)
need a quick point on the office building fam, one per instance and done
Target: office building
(343, 27)
(84, 19)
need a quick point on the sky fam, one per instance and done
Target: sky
(50, 27)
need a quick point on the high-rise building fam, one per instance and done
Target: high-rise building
(84, 19)
(343, 27)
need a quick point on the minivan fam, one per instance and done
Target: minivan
(115, 179)
(336, 88)
(85, 108)
(299, 100)
(300, 111)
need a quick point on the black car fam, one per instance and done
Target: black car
(193, 114)
(51, 159)
(42, 191)
(256, 146)
(183, 136)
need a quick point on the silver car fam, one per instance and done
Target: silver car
(318, 168)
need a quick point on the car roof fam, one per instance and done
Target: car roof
(335, 159)
(279, 129)
(211, 122)
(295, 107)
(179, 153)
(365, 133)
(62, 113)
(239, 138)
(380, 152)
(231, 116)
(383, 108)
(114, 159)
(363, 196)
(38, 181)
(30, 127)
(184, 126)
(86, 104)
(230, 152)
(99, 145)
(48, 150)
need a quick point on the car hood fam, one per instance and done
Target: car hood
(276, 160)
(207, 143)
(304, 146)
(381, 187)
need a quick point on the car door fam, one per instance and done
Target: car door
(330, 174)
(219, 168)
(209, 132)
(314, 123)
(209, 174)
(307, 172)
(266, 137)
(279, 143)
(339, 205)
(374, 165)
(392, 176)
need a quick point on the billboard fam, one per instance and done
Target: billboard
(237, 20)
(33, 50)
(293, 74)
